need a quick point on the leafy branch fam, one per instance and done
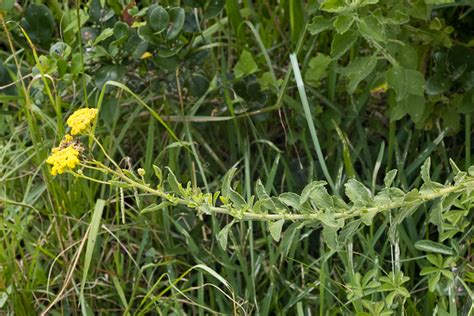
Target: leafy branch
(313, 206)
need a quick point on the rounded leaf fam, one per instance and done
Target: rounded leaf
(158, 18)
(177, 17)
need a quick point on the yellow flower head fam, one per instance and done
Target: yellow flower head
(81, 120)
(67, 139)
(63, 158)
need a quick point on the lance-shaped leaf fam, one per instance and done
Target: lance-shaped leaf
(228, 192)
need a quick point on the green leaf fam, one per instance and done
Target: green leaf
(348, 231)
(105, 34)
(228, 192)
(343, 23)
(246, 65)
(341, 43)
(330, 237)
(177, 18)
(358, 70)
(407, 56)
(198, 85)
(158, 173)
(175, 186)
(413, 105)
(214, 8)
(467, 102)
(432, 246)
(38, 23)
(406, 82)
(436, 2)
(155, 207)
(309, 188)
(290, 199)
(317, 69)
(223, 235)
(358, 193)
(371, 28)
(91, 241)
(119, 184)
(121, 30)
(390, 177)
(319, 24)
(260, 190)
(400, 216)
(109, 73)
(275, 229)
(425, 171)
(433, 280)
(438, 84)
(321, 198)
(333, 5)
(158, 18)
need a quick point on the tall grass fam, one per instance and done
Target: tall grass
(72, 246)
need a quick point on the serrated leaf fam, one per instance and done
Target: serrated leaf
(358, 193)
(358, 70)
(275, 229)
(341, 43)
(319, 24)
(246, 65)
(432, 246)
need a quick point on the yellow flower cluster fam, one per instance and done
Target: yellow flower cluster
(81, 120)
(63, 158)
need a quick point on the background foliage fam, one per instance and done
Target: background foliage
(370, 86)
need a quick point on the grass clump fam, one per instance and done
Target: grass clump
(231, 157)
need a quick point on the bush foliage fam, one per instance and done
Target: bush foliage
(265, 157)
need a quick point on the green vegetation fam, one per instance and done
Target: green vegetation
(264, 158)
